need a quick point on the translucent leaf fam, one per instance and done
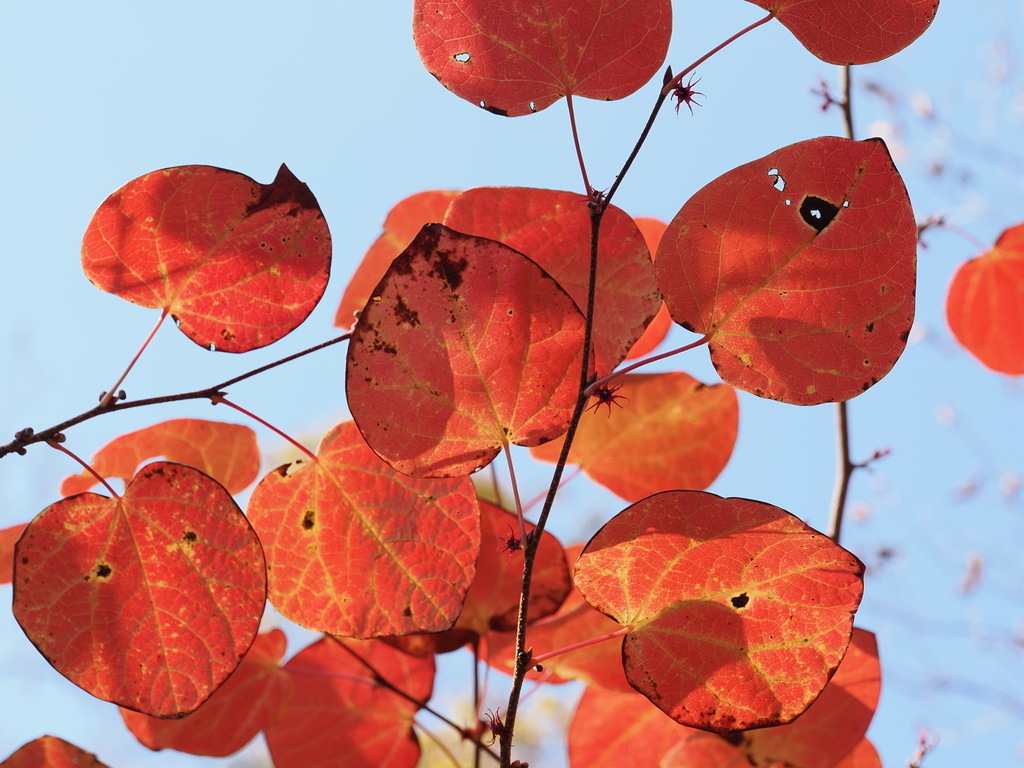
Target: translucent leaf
(51, 752)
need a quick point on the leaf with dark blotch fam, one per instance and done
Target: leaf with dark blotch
(236, 263)
(740, 612)
(148, 601)
(800, 267)
(520, 56)
(355, 548)
(465, 346)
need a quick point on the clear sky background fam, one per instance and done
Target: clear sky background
(93, 95)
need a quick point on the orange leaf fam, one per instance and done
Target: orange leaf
(657, 329)
(357, 549)
(837, 720)
(521, 56)
(226, 452)
(400, 227)
(236, 263)
(985, 306)
(51, 752)
(853, 31)
(466, 346)
(740, 612)
(669, 431)
(8, 538)
(553, 229)
(245, 705)
(340, 715)
(800, 267)
(149, 600)
(864, 755)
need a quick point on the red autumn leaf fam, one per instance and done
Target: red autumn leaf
(245, 705)
(237, 264)
(740, 612)
(340, 715)
(226, 452)
(51, 752)
(521, 56)
(985, 305)
(149, 600)
(864, 755)
(400, 227)
(853, 31)
(668, 431)
(354, 548)
(8, 538)
(800, 267)
(837, 720)
(553, 229)
(465, 346)
(657, 329)
(598, 664)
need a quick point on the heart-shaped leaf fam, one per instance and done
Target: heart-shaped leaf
(51, 752)
(662, 432)
(226, 452)
(354, 548)
(465, 346)
(246, 704)
(520, 56)
(400, 227)
(853, 31)
(237, 264)
(554, 229)
(740, 612)
(149, 600)
(985, 305)
(800, 268)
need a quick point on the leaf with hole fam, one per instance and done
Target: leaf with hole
(521, 56)
(800, 268)
(236, 263)
(149, 600)
(226, 452)
(740, 612)
(355, 548)
(465, 346)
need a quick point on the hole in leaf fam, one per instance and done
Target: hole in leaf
(789, 202)
(740, 601)
(213, 347)
(846, 203)
(533, 107)
(817, 212)
(461, 57)
(779, 183)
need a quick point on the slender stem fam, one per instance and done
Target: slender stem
(25, 437)
(477, 700)
(582, 644)
(89, 469)
(112, 392)
(576, 142)
(622, 371)
(515, 491)
(678, 79)
(221, 400)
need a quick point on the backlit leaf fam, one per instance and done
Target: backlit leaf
(149, 601)
(51, 752)
(864, 755)
(553, 229)
(339, 715)
(466, 345)
(355, 548)
(800, 267)
(236, 263)
(740, 612)
(668, 431)
(245, 705)
(853, 31)
(657, 329)
(226, 452)
(8, 537)
(400, 227)
(520, 56)
(985, 305)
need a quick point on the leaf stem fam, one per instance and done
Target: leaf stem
(110, 394)
(220, 399)
(678, 79)
(25, 437)
(583, 644)
(54, 443)
(603, 381)
(515, 490)
(576, 142)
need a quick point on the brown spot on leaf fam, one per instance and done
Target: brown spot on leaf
(309, 519)
(103, 571)
(404, 314)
